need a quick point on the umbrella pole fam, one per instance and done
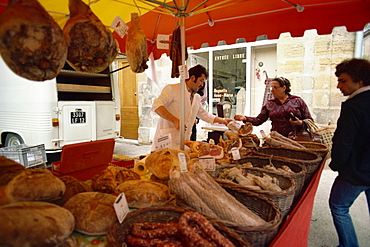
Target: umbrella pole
(182, 80)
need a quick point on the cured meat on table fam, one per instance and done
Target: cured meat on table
(205, 149)
(31, 42)
(196, 189)
(91, 45)
(136, 46)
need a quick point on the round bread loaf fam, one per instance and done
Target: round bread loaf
(34, 224)
(8, 170)
(107, 180)
(160, 163)
(93, 211)
(141, 193)
(73, 187)
(32, 185)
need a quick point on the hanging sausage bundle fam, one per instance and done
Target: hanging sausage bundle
(91, 46)
(31, 42)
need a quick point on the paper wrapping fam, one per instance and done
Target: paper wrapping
(140, 168)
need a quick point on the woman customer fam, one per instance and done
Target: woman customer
(280, 109)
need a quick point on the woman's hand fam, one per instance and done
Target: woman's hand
(297, 122)
(240, 118)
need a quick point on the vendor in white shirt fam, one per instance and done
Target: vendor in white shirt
(168, 107)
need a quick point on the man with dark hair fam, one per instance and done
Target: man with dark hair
(351, 147)
(168, 107)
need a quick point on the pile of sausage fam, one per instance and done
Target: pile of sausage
(192, 229)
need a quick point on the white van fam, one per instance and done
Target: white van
(74, 107)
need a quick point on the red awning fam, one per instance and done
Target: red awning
(233, 19)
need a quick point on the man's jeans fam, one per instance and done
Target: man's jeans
(342, 196)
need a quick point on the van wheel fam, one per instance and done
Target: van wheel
(13, 140)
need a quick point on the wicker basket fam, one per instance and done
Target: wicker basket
(263, 207)
(321, 149)
(299, 170)
(327, 133)
(284, 198)
(309, 160)
(165, 214)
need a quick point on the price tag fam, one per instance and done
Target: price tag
(163, 142)
(208, 163)
(183, 164)
(235, 153)
(163, 41)
(119, 26)
(121, 207)
(183, 70)
(263, 133)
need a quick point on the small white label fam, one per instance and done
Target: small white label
(183, 164)
(119, 26)
(236, 154)
(163, 142)
(163, 41)
(121, 207)
(263, 133)
(184, 73)
(208, 163)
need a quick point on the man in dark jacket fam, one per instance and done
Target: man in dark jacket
(351, 147)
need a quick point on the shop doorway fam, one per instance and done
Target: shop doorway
(127, 83)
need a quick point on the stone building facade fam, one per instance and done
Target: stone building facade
(308, 61)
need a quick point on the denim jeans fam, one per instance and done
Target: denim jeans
(342, 196)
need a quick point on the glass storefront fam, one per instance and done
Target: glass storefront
(227, 75)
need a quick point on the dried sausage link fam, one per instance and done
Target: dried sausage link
(184, 225)
(140, 242)
(154, 230)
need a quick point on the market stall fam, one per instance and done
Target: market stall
(97, 177)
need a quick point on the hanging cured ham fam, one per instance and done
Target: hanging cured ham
(31, 42)
(91, 46)
(136, 46)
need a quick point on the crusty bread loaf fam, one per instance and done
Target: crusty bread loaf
(160, 163)
(93, 211)
(141, 193)
(34, 224)
(32, 185)
(73, 187)
(108, 179)
(8, 170)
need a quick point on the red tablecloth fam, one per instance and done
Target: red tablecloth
(295, 230)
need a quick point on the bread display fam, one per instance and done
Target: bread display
(32, 185)
(8, 170)
(107, 180)
(91, 45)
(93, 212)
(160, 163)
(140, 193)
(73, 187)
(34, 224)
(31, 42)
